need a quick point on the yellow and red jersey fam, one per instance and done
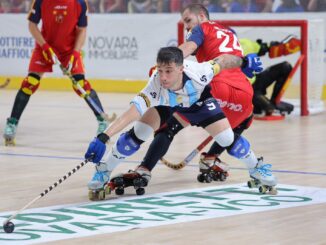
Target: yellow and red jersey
(60, 19)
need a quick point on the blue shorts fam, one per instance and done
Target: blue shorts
(201, 113)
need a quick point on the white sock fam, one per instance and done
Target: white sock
(250, 160)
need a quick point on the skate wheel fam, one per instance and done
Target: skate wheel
(108, 190)
(119, 191)
(222, 177)
(272, 191)
(208, 178)
(92, 195)
(262, 189)
(101, 195)
(200, 178)
(251, 184)
(215, 177)
(140, 191)
(10, 142)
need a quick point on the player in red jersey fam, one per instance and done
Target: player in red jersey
(210, 40)
(60, 39)
(233, 92)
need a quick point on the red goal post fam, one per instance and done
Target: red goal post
(302, 24)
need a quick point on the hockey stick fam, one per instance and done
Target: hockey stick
(182, 164)
(87, 97)
(9, 226)
(5, 84)
(289, 79)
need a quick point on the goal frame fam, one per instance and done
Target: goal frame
(302, 24)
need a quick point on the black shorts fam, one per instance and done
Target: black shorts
(201, 113)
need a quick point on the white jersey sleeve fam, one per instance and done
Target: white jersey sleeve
(200, 73)
(149, 96)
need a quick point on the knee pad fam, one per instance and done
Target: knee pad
(143, 131)
(239, 148)
(80, 79)
(173, 126)
(225, 138)
(31, 83)
(128, 143)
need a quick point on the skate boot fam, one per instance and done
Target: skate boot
(262, 178)
(10, 131)
(212, 168)
(102, 125)
(138, 178)
(262, 104)
(99, 186)
(284, 108)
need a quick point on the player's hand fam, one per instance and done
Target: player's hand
(97, 147)
(251, 65)
(49, 54)
(73, 60)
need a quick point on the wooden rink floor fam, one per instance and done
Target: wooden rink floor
(55, 131)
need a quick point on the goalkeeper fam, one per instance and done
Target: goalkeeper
(276, 74)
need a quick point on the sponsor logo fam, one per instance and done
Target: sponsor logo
(231, 106)
(41, 225)
(113, 47)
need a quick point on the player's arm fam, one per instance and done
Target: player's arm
(80, 38)
(147, 98)
(34, 18)
(188, 48)
(36, 33)
(129, 116)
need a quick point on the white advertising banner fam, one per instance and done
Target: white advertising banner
(119, 46)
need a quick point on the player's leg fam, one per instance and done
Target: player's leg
(163, 137)
(28, 87)
(78, 73)
(169, 126)
(274, 74)
(237, 107)
(127, 144)
(283, 70)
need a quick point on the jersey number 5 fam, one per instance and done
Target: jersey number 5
(226, 42)
(210, 106)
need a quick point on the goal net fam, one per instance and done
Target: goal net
(305, 89)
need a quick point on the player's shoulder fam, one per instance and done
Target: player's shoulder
(192, 67)
(212, 25)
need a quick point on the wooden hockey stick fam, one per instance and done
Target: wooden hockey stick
(186, 161)
(87, 97)
(5, 84)
(289, 79)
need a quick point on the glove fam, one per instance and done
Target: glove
(251, 64)
(97, 147)
(49, 54)
(73, 60)
(263, 48)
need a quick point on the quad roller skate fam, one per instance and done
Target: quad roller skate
(99, 187)
(262, 178)
(212, 168)
(10, 132)
(138, 178)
